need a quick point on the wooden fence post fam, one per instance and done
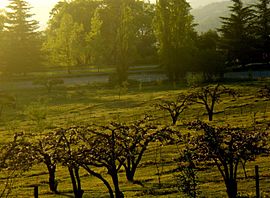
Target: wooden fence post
(257, 178)
(36, 191)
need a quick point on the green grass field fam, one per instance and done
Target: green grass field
(38, 112)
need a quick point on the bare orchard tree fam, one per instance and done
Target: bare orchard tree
(16, 157)
(136, 138)
(46, 152)
(226, 147)
(68, 150)
(102, 149)
(91, 148)
(18, 154)
(209, 96)
(175, 106)
(111, 147)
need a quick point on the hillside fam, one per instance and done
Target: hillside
(200, 3)
(208, 17)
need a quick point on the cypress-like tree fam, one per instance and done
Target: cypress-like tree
(22, 40)
(175, 33)
(263, 28)
(237, 33)
(125, 42)
(118, 31)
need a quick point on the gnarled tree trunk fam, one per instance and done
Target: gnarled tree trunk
(76, 182)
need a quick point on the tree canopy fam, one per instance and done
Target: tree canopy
(237, 33)
(175, 33)
(124, 33)
(21, 38)
(101, 33)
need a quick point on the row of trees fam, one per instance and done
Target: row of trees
(208, 97)
(113, 146)
(243, 38)
(246, 32)
(127, 32)
(120, 146)
(80, 32)
(101, 32)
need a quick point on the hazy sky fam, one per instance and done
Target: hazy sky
(42, 7)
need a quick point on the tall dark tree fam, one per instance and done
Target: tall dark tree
(263, 28)
(119, 33)
(237, 33)
(210, 60)
(110, 17)
(175, 33)
(22, 51)
(126, 33)
(125, 41)
(145, 36)
(94, 40)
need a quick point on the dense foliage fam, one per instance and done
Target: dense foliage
(21, 40)
(245, 33)
(175, 32)
(101, 32)
(122, 33)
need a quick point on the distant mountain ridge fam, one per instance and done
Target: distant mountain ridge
(208, 17)
(200, 3)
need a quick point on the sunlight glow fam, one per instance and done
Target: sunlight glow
(40, 8)
(3, 3)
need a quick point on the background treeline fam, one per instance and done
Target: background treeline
(122, 33)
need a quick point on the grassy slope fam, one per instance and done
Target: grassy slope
(89, 103)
